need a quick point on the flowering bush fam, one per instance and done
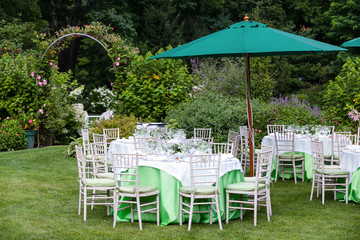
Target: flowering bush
(354, 115)
(101, 99)
(288, 111)
(12, 136)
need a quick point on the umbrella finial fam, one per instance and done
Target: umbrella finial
(246, 18)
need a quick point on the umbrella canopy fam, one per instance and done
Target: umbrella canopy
(248, 38)
(352, 43)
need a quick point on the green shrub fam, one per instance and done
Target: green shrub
(70, 150)
(127, 124)
(219, 113)
(12, 136)
(150, 87)
(343, 95)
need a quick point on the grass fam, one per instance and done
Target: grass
(39, 197)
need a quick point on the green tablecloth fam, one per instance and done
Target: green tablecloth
(308, 165)
(354, 188)
(169, 197)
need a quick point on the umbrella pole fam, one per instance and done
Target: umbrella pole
(249, 114)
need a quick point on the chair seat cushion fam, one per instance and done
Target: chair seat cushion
(98, 157)
(108, 175)
(109, 162)
(199, 190)
(100, 182)
(332, 171)
(252, 179)
(132, 189)
(288, 155)
(244, 186)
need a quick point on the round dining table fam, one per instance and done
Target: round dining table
(169, 175)
(350, 161)
(302, 145)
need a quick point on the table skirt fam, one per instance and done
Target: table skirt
(170, 200)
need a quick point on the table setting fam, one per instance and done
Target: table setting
(165, 162)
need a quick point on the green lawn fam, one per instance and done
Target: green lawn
(39, 197)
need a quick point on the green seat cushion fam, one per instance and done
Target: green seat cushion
(244, 186)
(199, 190)
(98, 157)
(288, 155)
(132, 189)
(100, 182)
(332, 171)
(252, 179)
(109, 162)
(108, 175)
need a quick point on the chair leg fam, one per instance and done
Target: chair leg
(277, 169)
(312, 187)
(294, 170)
(323, 189)
(241, 207)
(268, 205)
(116, 206)
(191, 211)
(93, 200)
(80, 196)
(303, 170)
(132, 210)
(269, 196)
(218, 210)
(227, 207)
(139, 211)
(347, 190)
(181, 213)
(255, 207)
(85, 202)
(157, 210)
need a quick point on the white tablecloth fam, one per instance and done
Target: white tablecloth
(179, 170)
(301, 143)
(350, 159)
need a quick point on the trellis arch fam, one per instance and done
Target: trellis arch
(73, 34)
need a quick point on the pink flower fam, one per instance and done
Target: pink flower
(40, 84)
(38, 77)
(118, 59)
(51, 63)
(41, 111)
(55, 66)
(117, 63)
(16, 134)
(111, 83)
(260, 131)
(44, 105)
(44, 82)
(125, 62)
(32, 74)
(7, 118)
(30, 121)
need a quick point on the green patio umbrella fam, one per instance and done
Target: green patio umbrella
(249, 39)
(352, 43)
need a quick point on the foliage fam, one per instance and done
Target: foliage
(290, 111)
(150, 87)
(342, 95)
(219, 113)
(70, 150)
(101, 99)
(126, 125)
(12, 136)
(228, 76)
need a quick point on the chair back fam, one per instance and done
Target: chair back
(100, 153)
(204, 170)
(233, 137)
(284, 142)
(342, 140)
(126, 170)
(99, 138)
(222, 148)
(317, 153)
(86, 141)
(141, 143)
(111, 133)
(264, 164)
(275, 128)
(81, 164)
(204, 134)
